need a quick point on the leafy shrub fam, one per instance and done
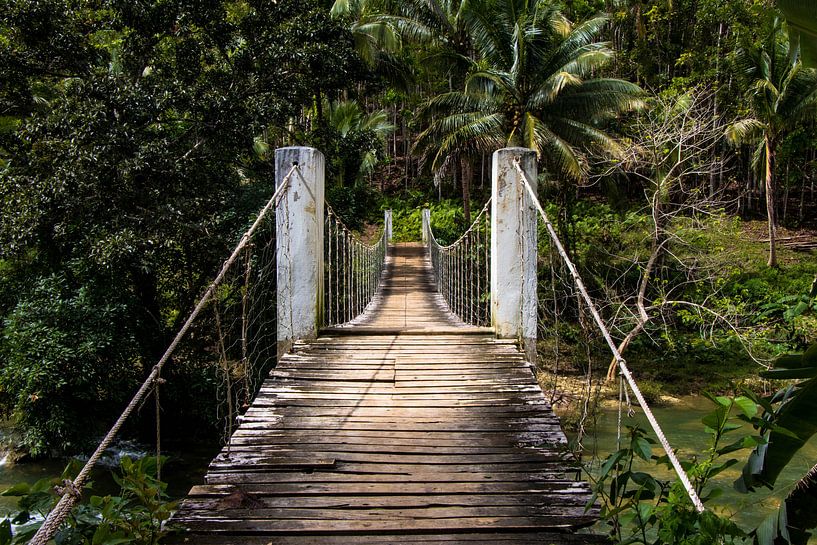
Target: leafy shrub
(642, 509)
(69, 357)
(136, 516)
(447, 220)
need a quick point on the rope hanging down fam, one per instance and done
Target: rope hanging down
(462, 270)
(622, 364)
(68, 499)
(352, 270)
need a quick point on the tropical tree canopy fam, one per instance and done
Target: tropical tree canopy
(781, 94)
(533, 83)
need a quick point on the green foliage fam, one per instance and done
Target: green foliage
(684, 352)
(352, 142)
(136, 516)
(447, 222)
(133, 155)
(355, 204)
(533, 83)
(797, 314)
(69, 356)
(789, 420)
(642, 509)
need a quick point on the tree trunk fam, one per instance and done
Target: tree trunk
(466, 173)
(319, 107)
(802, 201)
(770, 202)
(786, 194)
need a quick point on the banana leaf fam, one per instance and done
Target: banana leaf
(801, 507)
(801, 16)
(795, 422)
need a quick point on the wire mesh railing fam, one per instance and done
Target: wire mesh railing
(239, 336)
(462, 270)
(352, 270)
(602, 327)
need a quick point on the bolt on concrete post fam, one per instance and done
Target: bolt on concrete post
(426, 224)
(513, 248)
(299, 245)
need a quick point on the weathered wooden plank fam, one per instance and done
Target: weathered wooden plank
(221, 498)
(421, 513)
(488, 538)
(273, 526)
(386, 440)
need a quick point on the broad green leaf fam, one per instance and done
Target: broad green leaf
(641, 447)
(796, 423)
(789, 361)
(726, 428)
(723, 467)
(732, 447)
(784, 374)
(766, 532)
(19, 489)
(610, 463)
(748, 406)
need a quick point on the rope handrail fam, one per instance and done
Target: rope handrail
(622, 364)
(462, 269)
(70, 496)
(474, 224)
(332, 214)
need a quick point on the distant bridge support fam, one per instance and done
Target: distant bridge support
(299, 245)
(387, 225)
(513, 249)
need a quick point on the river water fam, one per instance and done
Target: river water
(185, 467)
(682, 425)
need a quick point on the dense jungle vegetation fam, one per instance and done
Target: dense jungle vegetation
(677, 145)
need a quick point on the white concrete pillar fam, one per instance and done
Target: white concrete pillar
(299, 224)
(426, 224)
(388, 225)
(513, 248)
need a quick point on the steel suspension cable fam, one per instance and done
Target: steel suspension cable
(622, 364)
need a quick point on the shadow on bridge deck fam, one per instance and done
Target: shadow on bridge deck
(405, 425)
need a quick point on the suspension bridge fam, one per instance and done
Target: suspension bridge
(399, 401)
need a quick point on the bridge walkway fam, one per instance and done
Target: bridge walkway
(403, 426)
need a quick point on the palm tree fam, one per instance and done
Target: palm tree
(351, 123)
(439, 26)
(781, 94)
(532, 84)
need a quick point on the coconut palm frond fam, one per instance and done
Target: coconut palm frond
(552, 87)
(745, 130)
(561, 158)
(584, 135)
(589, 61)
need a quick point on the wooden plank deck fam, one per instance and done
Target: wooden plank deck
(404, 426)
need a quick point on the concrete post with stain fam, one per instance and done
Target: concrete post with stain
(299, 245)
(387, 225)
(513, 248)
(426, 224)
